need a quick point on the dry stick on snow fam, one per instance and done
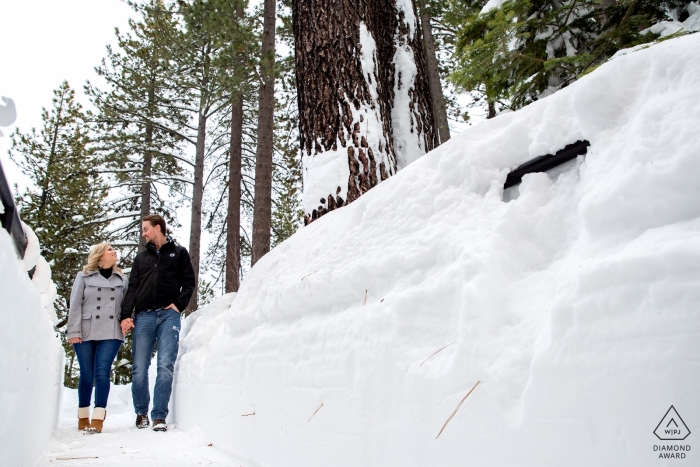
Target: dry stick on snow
(319, 408)
(248, 414)
(309, 284)
(75, 458)
(309, 274)
(456, 409)
(365, 302)
(436, 353)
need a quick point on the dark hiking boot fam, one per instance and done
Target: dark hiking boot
(141, 421)
(159, 425)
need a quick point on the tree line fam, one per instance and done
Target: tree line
(219, 106)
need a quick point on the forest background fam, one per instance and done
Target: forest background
(172, 113)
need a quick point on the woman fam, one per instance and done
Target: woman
(94, 331)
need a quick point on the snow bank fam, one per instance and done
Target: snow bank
(574, 305)
(31, 356)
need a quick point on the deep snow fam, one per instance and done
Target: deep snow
(31, 363)
(574, 305)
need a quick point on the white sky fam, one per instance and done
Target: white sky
(43, 42)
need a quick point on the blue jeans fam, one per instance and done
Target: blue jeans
(95, 359)
(162, 326)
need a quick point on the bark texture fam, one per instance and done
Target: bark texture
(439, 106)
(262, 204)
(233, 219)
(347, 95)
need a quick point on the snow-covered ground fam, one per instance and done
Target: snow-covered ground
(121, 443)
(574, 306)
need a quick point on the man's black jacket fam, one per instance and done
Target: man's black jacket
(158, 279)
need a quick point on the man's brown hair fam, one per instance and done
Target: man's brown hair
(155, 219)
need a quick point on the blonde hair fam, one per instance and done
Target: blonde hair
(93, 262)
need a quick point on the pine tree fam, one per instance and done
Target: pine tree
(527, 49)
(65, 206)
(214, 50)
(141, 122)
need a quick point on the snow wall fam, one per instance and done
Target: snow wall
(31, 355)
(575, 305)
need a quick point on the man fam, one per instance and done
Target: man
(160, 285)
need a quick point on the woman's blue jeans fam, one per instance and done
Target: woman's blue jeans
(95, 359)
(161, 325)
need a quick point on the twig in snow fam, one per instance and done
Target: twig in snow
(248, 414)
(436, 353)
(75, 458)
(309, 274)
(309, 284)
(319, 408)
(365, 302)
(456, 409)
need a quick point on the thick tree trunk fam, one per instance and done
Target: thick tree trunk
(365, 109)
(262, 205)
(439, 106)
(233, 219)
(197, 194)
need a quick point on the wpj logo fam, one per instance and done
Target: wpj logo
(672, 428)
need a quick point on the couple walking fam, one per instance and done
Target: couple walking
(105, 307)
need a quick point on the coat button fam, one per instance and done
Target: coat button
(112, 289)
(111, 317)
(99, 298)
(98, 309)
(112, 298)
(97, 317)
(99, 290)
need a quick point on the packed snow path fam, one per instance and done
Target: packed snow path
(121, 443)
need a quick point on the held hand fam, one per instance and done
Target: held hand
(172, 305)
(127, 325)
(75, 340)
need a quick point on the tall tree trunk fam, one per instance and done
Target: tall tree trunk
(439, 107)
(46, 182)
(233, 219)
(146, 184)
(197, 195)
(262, 204)
(147, 165)
(365, 109)
(233, 216)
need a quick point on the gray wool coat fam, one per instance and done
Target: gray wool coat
(95, 303)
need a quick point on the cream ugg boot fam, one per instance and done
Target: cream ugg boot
(83, 418)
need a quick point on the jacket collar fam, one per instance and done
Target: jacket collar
(97, 271)
(170, 243)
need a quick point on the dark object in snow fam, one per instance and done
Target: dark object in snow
(10, 217)
(546, 162)
(142, 421)
(160, 425)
